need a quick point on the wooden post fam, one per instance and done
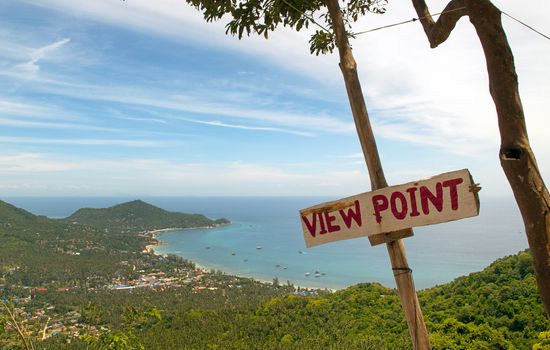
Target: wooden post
(396, 248)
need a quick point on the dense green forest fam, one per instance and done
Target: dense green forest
(86, 248)
(115, 296)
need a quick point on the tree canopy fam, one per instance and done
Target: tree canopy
(263, 16)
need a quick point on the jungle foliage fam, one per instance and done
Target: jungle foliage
(497, 308)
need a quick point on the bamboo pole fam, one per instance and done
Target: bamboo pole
(396, 248)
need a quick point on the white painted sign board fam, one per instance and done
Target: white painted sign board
(446, 197)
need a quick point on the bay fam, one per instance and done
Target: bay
(265, 241)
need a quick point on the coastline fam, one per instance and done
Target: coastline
(154, 242)
(157, 243)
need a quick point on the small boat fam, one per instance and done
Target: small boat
(259, 247)
(307, 273)
(233, 253)
(300, 252)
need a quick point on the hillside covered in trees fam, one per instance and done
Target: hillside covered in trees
(115, 296)
(89, 246)
(139, 216)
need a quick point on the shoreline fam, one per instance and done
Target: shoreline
(154, 242)
(150, 248)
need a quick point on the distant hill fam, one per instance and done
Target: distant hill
(11, 215)
(19, 224)
(37, 249)
(137, 216)
(91, 245)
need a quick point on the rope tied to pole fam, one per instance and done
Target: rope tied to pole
(403, 270)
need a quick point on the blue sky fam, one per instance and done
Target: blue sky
(138, 98)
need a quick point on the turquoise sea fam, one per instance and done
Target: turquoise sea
(265, 240)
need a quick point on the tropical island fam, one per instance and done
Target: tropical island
(87, 282)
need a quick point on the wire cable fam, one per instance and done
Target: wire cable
(525, 24)
(409, 21)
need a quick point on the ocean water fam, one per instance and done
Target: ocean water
(265, 240)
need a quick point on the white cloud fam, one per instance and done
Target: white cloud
(246, 127)
(440, 97)
(29, 69)
(178, 21)
(51, 125)
(397, 67)
(19, 108)
(80, 141)
(141, 176)
(213, 104)
(138, 119)
(32, 163)
(429, 97)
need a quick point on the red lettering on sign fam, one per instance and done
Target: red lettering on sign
(311, 226)
(453, 192)
(329, 219)
(351, 215)
(401, 204)
(400, 215)
(322, 222)
(436, 200)
(380, 203)
(414, 209)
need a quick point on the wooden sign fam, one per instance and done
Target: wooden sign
(446, 197)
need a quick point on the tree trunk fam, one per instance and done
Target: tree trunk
(396, 248)
(516, 157)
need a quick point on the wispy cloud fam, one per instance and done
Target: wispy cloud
(20, 108)
(33, 109)
(147, 120)
(29, 69)
(246, 127)
(429, 99)
(142, 175)
(32, 163)
(447, 134)
(166, 18)
(392, 83)
(52, 125)
(81, 142)
(214, 104)
(245, 101)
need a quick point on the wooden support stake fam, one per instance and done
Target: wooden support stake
(396, 248)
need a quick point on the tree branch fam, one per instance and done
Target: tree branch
(438, 32)
(27, 342)
(516, 156)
